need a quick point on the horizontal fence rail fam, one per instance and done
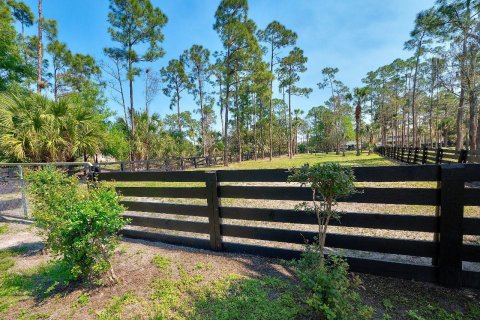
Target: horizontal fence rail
(427, 155)
(446, 250)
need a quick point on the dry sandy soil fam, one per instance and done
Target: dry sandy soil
(133, 265)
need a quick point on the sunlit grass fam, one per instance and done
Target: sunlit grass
(350, 159)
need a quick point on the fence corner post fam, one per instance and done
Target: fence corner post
(213, 211)
(24, 194)
(451, 224)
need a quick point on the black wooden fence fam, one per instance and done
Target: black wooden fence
(427, 155)
(174, 164)
(446, 250)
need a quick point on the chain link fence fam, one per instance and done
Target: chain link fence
(13, 197)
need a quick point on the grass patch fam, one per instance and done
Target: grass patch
(349, 159)
(161, 263)
(3, 228)
(114, 309)
(37, 283)
(421, 308)
(186, 295)
(249, 299)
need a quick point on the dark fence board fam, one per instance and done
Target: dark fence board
(375, 267)
(396, 173)
(171, 176)
(396, 246)
(472, 197)
(166, 238)
(471, 252)
(472, 172)
(419, 196)
(471, 226)
(261, 175)
(168, 224)
(170, 192)
(167, 208)
(471, 279)
(349, 219)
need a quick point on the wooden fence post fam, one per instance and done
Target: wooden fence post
(424, 155)
(451, 224)
(462, 158)
(439, 156)
(213, 211)
(415, 156)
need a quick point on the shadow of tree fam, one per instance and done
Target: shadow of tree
(39, 283)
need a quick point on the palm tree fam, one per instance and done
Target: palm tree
(34, 128)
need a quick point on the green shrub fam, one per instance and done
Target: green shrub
(328, 287)
(329, 182)
(79, 224)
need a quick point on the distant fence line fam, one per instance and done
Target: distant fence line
(172, 164)
(446, 251)
(427, 155)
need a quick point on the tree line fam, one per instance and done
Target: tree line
(53, 100)
(431, 98)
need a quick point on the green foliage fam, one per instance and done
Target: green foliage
(161, 263)
(416, 307)
(3, 228)
(12, 67)
(35, 128)
(328, 288)
(40, 282)
(176, 81)
(329, 182)
(79, 225)
(250, 299)
(114, 309)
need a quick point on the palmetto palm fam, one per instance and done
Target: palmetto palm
(34, 128)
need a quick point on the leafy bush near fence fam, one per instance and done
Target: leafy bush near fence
(329, 182)
(80, 225)
(329, 289)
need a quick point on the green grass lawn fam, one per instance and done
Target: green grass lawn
(349, 159)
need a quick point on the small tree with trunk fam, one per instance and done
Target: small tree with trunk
(329, 182)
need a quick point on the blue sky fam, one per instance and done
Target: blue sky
(355, 36)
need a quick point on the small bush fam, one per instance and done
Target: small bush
(79, 224)
(329, 182)
(329, 289)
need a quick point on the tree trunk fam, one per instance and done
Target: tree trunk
(478, 133)
(237, 121)
(225, 137)
(254, 130)
(289, 122)
(40, 48)
(132, 109)
(459, 141)
(270, 132)
(414, 93)
(461, 100)
(358, 114)
(473, 120)
(202, 114)
(178, 113)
